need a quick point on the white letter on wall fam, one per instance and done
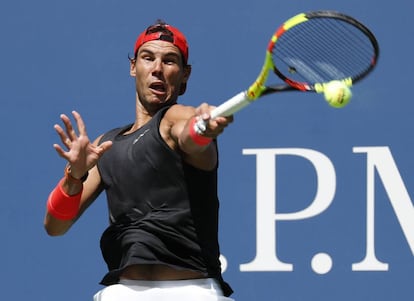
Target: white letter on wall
(381, 160)
(266, 216)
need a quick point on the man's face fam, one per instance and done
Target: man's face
(159, 73)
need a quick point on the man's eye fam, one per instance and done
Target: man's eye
(170, 61)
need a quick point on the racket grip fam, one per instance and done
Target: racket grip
(229, 107)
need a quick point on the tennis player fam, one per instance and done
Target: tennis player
(160, 180)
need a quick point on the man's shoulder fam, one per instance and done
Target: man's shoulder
(109, 135)
(179, 111)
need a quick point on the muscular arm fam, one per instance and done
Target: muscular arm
(82, 155)
(175, 128)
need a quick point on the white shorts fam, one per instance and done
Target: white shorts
(177, 290)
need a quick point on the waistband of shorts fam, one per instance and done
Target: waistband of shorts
(204, 282)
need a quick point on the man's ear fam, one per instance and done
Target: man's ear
(187, 73)
(132, 69)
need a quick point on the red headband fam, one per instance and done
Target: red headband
(176, 38)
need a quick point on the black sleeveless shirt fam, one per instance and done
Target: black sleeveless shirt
(161, 210)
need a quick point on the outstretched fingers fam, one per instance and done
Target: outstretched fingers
(66, 141)
(75, 145)
(61, 152)
(103, 147)
(80, 124)
(69, 130)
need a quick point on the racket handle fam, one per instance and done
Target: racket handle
(229, 107)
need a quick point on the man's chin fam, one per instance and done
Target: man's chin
(155, 105)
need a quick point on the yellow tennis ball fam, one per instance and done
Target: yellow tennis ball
(337, 94)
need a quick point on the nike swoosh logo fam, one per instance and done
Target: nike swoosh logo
(140, 136)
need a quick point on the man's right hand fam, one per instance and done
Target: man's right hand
(81, 154)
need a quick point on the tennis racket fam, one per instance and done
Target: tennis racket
(306, 52)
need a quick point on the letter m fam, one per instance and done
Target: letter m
(380, 159)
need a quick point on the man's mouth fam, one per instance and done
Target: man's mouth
(159, 87)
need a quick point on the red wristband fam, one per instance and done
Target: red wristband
(197, 138)
(61, 205)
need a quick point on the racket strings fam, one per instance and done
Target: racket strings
(319, 51)
(323, 49)
(326, 55)
(340, 34)
(361, 56)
